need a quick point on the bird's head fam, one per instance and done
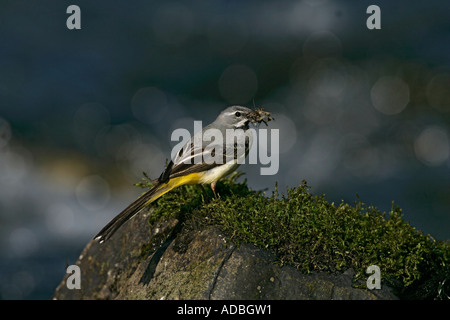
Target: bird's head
(239, 117)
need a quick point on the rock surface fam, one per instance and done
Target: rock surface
(175, 260)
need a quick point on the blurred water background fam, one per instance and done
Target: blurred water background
(84, 112)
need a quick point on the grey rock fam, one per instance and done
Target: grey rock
(173, 260)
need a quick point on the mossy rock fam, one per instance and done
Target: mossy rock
(246, 245)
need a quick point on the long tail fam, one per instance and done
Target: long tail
(147, 198)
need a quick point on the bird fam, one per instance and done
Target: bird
(190, 166)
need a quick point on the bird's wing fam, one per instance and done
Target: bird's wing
(191, 158)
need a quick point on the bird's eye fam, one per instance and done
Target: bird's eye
(237, 114)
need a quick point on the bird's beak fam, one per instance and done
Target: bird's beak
(259, 115)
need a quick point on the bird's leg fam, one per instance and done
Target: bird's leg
(205, 195)
(213, 188)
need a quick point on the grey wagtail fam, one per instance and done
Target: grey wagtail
(182, 170)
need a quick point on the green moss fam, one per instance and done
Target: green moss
(310, 233)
